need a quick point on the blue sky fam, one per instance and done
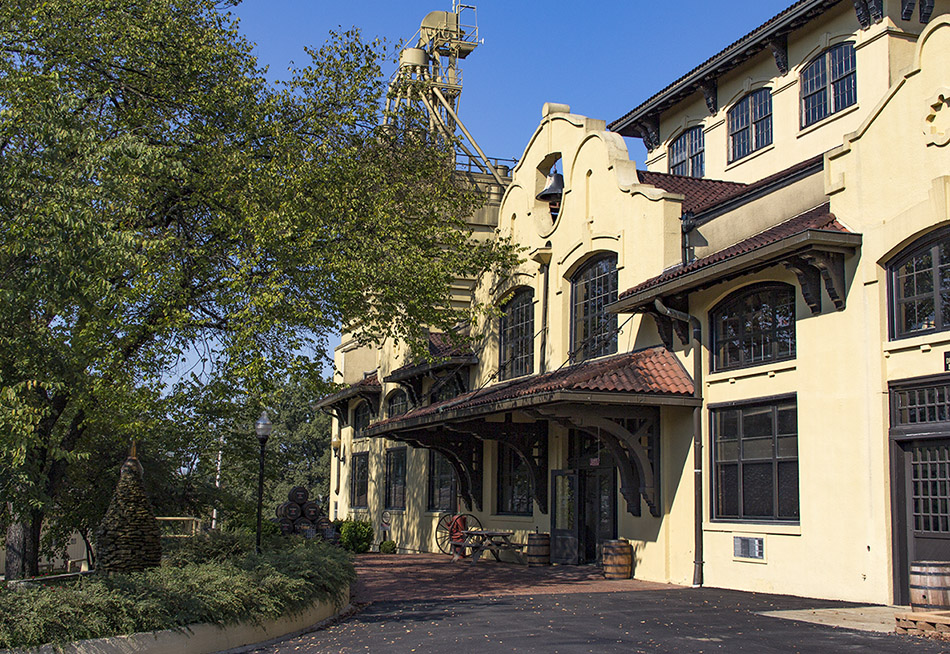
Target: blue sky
(602, 58)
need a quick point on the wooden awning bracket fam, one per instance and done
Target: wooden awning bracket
(463, 452)
(814, 267)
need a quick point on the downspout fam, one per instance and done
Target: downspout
(697, 433)
(545, 269)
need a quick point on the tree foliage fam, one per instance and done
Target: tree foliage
(161, 202)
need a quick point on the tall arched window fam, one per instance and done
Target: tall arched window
(919, 281)
(516, 336)
(829, 83)
(754, 325)
(397, 404)
(750, 124)
(593, 330)
(686, 153)
(361, 416)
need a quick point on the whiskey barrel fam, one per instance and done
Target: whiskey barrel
(310, 510)
(539, 549)
(303, 526)
(930, 585)
(289, 510)
(298, 495)
(286, 526)
(618, 559)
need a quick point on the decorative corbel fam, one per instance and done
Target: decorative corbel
(876, 7)
(809, 280)
(463, 453)
(710, 89)
(863, 14)
(830, 265)
(926, 10)
(907, 9)
(649, 128)
(779, 46)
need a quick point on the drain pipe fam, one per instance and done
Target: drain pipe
(697, 433)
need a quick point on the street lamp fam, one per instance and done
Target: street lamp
(263, 427)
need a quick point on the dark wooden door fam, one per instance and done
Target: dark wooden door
(565, 494)
(928, 499)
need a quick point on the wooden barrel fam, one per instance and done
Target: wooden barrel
(618, 559)
(286, 526)
(303, 526)
(289, 510)
(539, 549)
(310, 510)
(930, 585)
(298, 495)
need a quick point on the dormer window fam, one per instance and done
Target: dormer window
(829, 84)
(686, 154)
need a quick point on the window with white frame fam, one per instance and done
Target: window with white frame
(686, 154)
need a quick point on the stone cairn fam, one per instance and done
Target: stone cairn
(299, 515)
(128, 538)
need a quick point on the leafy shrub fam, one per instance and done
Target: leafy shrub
(214, 546)
(356, 536)
(387, 547)
(208, 583)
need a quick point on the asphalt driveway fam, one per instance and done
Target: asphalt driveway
(426, 604)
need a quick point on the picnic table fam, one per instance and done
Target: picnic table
(483, 540)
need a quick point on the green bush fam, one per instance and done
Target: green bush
(211, 579)
(356, 536)
(387, 547)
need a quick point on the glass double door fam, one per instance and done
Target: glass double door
(584, 515)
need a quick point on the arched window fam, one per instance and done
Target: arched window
(361, 416)
(754, 325)
(750, 124)
(593, 330)
(397, 404)
(920, 287)
(516, 336)
(686, 153)
(446, 388)
(828, 84)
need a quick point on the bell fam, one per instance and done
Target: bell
(554, 189)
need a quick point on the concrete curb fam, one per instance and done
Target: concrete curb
(201, 638)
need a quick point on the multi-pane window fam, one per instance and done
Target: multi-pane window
(753, 326)
(397, 404)
(750, 124)
(920, 288)
(686, 153)
(514, 483)
(593, 329)
(829, 84)
(396, 478)
(442, 485)
(516, 336)
(921, 405)
(755, 461)
(359, 480)
(446, 388)
(361, 416)
(930, 487)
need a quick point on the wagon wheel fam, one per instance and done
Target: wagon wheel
(442, 536)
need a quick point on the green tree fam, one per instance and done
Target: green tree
(161, 202)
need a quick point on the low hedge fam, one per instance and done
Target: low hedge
(210, 580)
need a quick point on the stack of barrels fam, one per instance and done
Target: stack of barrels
(299, 515)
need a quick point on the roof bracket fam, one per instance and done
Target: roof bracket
(710, 89)
(926, 9)
(462, 451)
(863, 13)
(649, 128)
(817, 266)
(907, 9)
(810, 281)
(779, 46)
(876, 8)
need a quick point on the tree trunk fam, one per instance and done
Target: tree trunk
(23, 545)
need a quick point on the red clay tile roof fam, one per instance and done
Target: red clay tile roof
(729, 57)
(369, 380)
(650, 371)
(368, 384)
(814, 219)
(441, 352)
(696, 190)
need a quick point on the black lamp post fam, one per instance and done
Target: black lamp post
(263, 427)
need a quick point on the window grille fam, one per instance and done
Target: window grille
(920, 288)
(922, 405)
(514, 484)
(750, 124)
(754, 325)
(398, 404)
(686, 153)
(755, 462)
(442, 484)
(396, 478)
(516, 336)
(930, 484)
(829, 84)
(593, 329)
(359, 480)
(361, 417)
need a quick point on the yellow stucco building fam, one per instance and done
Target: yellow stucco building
(738, 358)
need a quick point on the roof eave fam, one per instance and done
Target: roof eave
(422, 368)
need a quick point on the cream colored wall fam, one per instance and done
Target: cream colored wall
(881, 52)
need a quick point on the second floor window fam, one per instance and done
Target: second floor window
(750, 124)
(397, 404)
(920, 288)
(686, 153)
(361, 416)
(754, 325)
(593, 330)
(516, 336)
(829, 84)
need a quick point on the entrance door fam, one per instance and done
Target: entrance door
(599, 515)
(564, 522)
(928, 500)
